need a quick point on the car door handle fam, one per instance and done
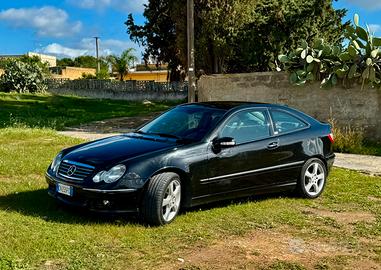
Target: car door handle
(273, 145)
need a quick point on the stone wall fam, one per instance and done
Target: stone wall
(122, 95)
(349, 107)
(113, 89)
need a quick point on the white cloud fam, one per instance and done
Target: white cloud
(62, 51)
(123, 5)
(367, 4)
(87, 47)
(47, 21)
(374, 28)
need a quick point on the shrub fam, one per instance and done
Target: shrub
(347, 139)
(23, 77)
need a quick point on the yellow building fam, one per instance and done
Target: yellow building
(147, 75)
(48, 59)
(1, 71)
(71, 73)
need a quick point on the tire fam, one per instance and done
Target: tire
(162, 199)
(313, 178)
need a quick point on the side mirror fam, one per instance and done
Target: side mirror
(221, 143)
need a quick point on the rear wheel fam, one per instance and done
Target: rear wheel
(312, 179)
(161, 202)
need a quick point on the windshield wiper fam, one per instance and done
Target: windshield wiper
(165, 135)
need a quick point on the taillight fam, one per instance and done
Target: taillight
(331, 138)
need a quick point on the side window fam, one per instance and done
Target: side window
(285, 122)
(247, 126)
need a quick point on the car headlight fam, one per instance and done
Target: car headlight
(56, 162)
(110, 176)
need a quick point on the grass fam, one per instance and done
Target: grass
(57, 112)
(36, 233)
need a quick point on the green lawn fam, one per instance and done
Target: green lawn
(56, 112)
(340, 230)
(36, 233)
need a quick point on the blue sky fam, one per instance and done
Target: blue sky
(66, 27)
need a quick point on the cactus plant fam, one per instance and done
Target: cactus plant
(359, 61)
(23, 77)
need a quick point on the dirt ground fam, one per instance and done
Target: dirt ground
(282, 248)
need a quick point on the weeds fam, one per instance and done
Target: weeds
(351, 140)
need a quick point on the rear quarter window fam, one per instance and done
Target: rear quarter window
(285, 122)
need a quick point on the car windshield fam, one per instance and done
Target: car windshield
(190, 122)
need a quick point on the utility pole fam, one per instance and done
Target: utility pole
(97, 53)
(192, 94)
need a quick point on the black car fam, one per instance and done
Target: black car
(194, 154)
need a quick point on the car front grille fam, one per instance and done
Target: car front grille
(74, 170)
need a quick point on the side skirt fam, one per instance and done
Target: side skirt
(242, 193)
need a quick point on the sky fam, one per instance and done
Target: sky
(66, 28)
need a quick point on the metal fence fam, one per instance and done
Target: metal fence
(117, 86)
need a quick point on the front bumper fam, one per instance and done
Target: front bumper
(97, 200)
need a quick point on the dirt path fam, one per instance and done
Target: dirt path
(101, 129)
(106, 128)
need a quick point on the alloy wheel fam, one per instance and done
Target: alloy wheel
(314, 178)
(171, 200)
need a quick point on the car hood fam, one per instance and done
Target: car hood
(107, 152)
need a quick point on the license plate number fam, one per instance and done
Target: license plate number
(64, 189)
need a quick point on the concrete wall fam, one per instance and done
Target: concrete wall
(349, 107)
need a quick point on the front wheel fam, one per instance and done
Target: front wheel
(312, 179)
(161, 202)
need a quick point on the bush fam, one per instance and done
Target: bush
(347, 139)
(23, 77)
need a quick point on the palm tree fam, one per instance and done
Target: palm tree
(122, 63)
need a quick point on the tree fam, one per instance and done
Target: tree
(65, 62)
(122, 63)
(233, 35)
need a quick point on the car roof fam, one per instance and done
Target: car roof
(237, 105)
(228, 105)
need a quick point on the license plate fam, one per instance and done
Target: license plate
(64, 189)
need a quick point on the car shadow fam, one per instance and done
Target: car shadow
(39, 204)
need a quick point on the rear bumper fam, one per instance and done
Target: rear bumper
(96, 200)
(330, 160)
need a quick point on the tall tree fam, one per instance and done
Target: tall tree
(233, 35)
(122, 63)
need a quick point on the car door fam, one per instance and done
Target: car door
(249, 163)
(288, 128)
